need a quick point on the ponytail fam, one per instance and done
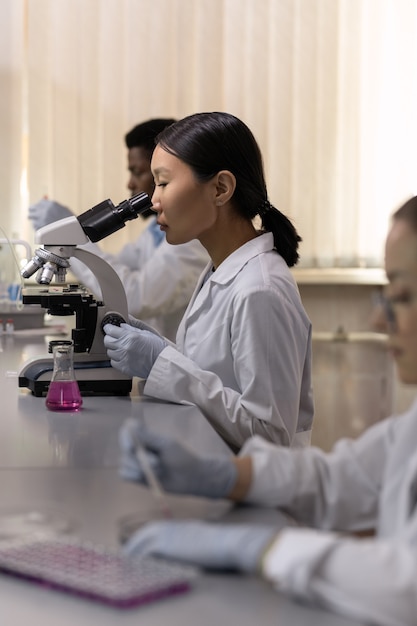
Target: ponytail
(286, 238)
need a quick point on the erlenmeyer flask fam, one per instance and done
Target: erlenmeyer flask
(63, 392)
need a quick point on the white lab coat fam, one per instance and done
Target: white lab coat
(370, 482)
(243, 351)
(158, 278)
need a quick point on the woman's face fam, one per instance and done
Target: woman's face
(401, 292)
(186, 208)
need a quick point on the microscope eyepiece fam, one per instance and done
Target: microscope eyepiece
(105, 218)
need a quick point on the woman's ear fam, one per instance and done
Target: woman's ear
(225, 186)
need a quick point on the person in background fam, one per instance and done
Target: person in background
(159, 279)
(361, 485)
(243, 348)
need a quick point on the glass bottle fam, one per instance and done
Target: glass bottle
(9, 326)
(63, 392)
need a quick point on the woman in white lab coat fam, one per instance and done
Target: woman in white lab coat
(365, 485)
(243, 348)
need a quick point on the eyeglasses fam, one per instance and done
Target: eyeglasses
(380, 300)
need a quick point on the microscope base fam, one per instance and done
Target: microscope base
(93, 378)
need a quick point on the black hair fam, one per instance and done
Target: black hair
(211, 142)
(144, 135)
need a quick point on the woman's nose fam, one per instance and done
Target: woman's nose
(379, 319)
(155, 202)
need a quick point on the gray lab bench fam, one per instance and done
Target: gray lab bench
(67, 465)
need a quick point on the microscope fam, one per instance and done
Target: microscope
(60, 241)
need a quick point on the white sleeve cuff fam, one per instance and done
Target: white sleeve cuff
(292, 558)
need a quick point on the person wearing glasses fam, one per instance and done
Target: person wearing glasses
(363, 486)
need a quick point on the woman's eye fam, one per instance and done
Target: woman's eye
(161, 184)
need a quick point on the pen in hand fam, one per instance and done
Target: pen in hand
(152, 480)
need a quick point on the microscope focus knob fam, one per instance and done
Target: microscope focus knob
(112, 318)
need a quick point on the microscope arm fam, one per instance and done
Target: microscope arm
(112, 290)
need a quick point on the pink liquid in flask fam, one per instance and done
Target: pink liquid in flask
(64, 395)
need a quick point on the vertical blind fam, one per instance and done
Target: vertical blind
(329, 88)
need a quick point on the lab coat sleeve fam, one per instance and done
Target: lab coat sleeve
(337, 490)
(268, 348)
(368, 579)
(157, 280)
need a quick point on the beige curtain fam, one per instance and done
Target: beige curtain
(329, 87)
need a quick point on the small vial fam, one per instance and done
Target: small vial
(9, 327)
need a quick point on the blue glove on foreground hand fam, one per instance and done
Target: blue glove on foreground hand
(208, 545)
(45, 212)
(142, 326)
(178, 469)
(132, 351)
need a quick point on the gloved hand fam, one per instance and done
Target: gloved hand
(205, 544)
(132, 351)
(142, 326)
(47, 211)
(178, 469)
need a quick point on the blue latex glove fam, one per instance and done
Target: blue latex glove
(142, 326)
(208, 545)
(45, 212)
(132, 351)
(178, 469)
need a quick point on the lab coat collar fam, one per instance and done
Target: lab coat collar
(224, 274)
(232, 265)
